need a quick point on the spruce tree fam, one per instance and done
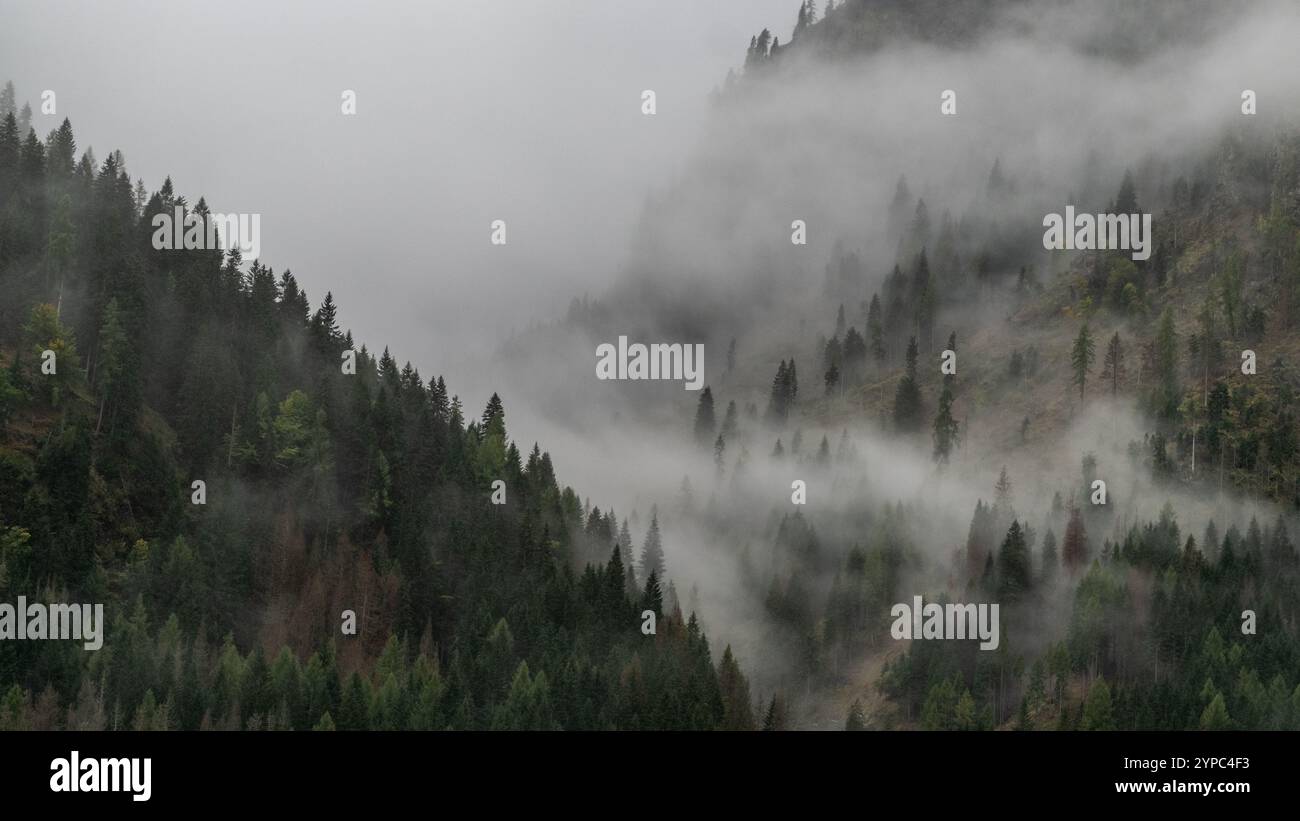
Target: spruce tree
(1167, 390)
(907, 398)
(705, 422)
(738, 712)
(652, 598)
(1113, 363)
(876, 329)
(1074, 549)
(945, 427)
(1082, 356)
(1014, 569)
(1098, 713)
(856, 721)
(652, 553)
(1050, 560)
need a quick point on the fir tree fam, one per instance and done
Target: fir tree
(856, 721)
(907, 398)
(945, 427)
(652, 553)
(1113, 363)
(1014, 570)
(706, 424)
(1082, 356)
(1074, 549)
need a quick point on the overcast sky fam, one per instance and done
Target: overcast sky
(467, 112)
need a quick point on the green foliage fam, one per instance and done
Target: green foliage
(325, 490)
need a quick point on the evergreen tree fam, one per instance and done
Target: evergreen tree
(706, 424)
(1002, 493)
(1215, 715)
(738, 712)
(1082, 356)
(1014, 569)
(1098, 714)
(907, 398)
(1074, 549)
(730, 421)
(1126, 200)
(652, 553)
(1113, 363)
(876, 329)
(1167, 390)
(652, 598)
(1050, 560)
(857, 721)
(776, 719)
(945, 427)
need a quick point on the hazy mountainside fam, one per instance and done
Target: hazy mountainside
(829, 470)
(324, 491)
(1117, 29)
(925, 234)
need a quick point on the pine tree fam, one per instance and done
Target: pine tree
(1113, 363)
(776, 718)
(738, 712)
(832, 379)
(615, 603)
(652, 553)
(1002, 492)
(857, 720)
(705, 423)
(730, 420)
(112, 373)
(1082, 356)
(1207, 348)
(785, 388)
(945, 427)
(1167, 390)
(325, 324)
(1215, 715)
(1097, 710)
(1050, 560)
(1126, 200)
(1014, 570)
(876, 329)
(907, 398)
(494, 418)
(652, 598)
(1074, 549)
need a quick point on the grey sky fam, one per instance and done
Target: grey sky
(466, 112)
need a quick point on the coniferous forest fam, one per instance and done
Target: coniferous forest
(907, 392)
(323, 491)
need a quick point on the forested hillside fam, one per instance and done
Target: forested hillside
(907, 391)
(1164, 605)
(324, 491)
